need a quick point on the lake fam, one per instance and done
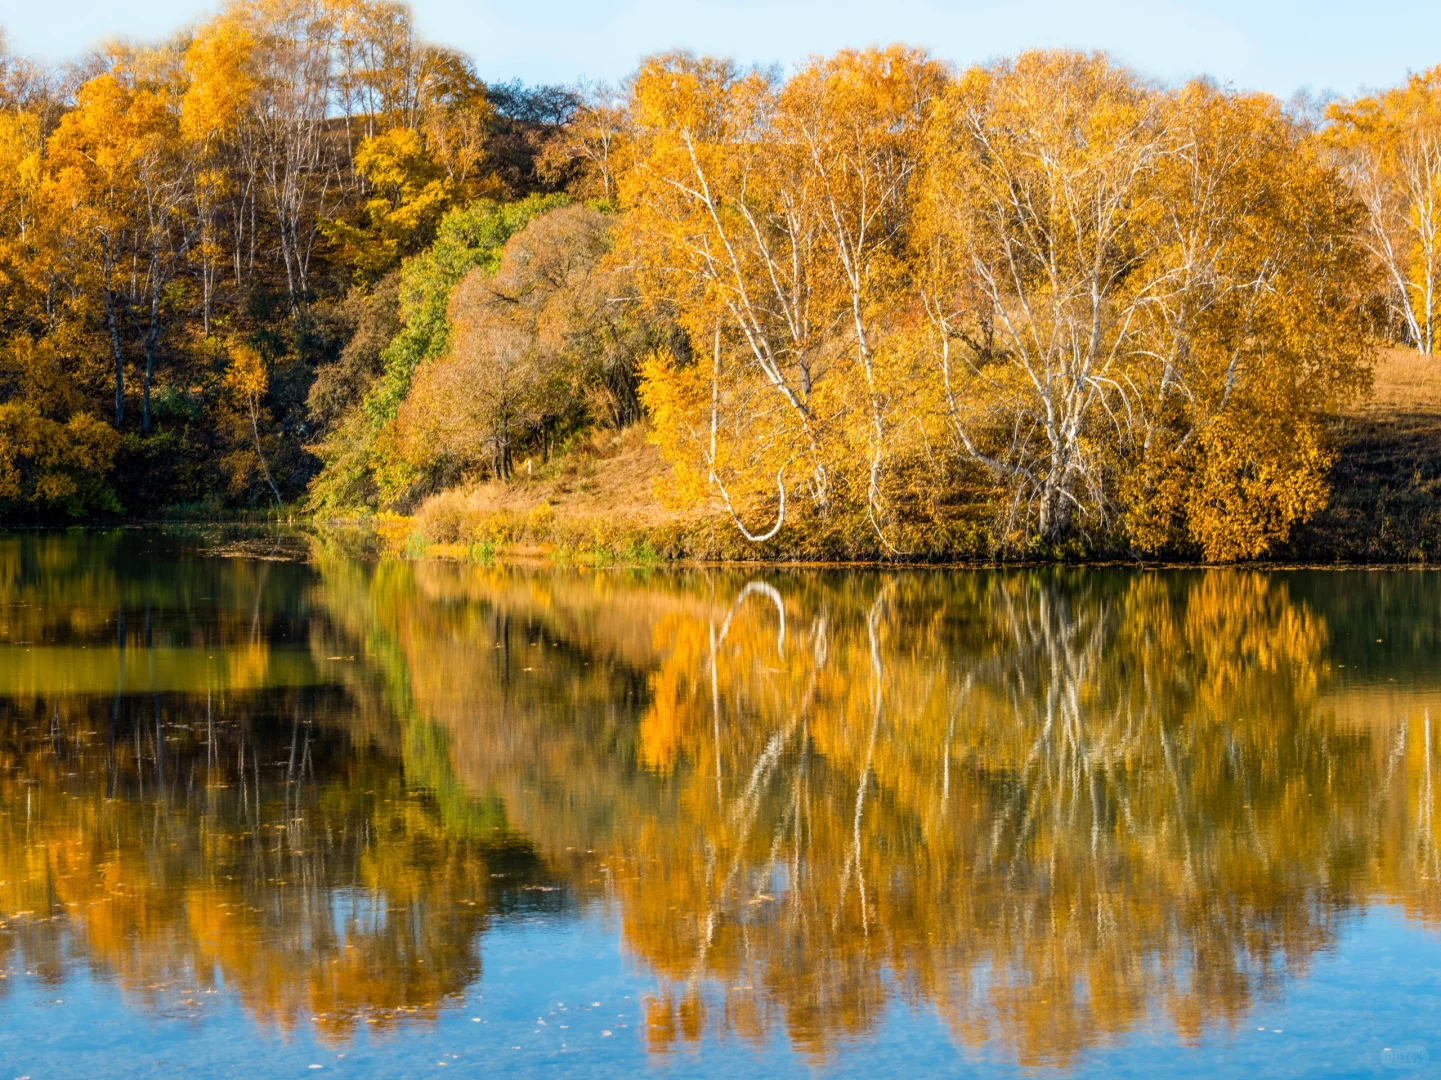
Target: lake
(267, 816)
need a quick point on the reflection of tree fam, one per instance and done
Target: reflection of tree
(1048, 805)
(283, 838)
(63, 594)
(314, 883)
(1409, 861)
(1045, 804)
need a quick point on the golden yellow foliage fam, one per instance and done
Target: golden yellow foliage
(1111, 312)
(1389, 146)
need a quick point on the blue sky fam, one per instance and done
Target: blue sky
(1274, 45)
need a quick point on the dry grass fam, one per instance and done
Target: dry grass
(606, 472)
(1405, 381)
(600, 499)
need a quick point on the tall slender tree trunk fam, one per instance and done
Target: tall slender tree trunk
(260, 453)
(207, 285)
(114, 322)
(1055, 510)
(152, 338)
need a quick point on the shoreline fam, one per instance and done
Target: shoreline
(540, 556)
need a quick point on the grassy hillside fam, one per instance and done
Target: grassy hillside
(1386, 484)
(600, 499)
(604, 498)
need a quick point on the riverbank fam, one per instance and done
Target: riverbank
(604, 500)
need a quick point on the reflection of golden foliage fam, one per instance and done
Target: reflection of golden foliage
(1014, 794)
(323, 903)
(673, 690)
(929, 800)
(1048, 805)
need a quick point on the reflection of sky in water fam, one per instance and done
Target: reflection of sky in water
(401, 818)
(1380, 988)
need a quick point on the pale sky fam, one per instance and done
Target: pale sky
(1274, 45)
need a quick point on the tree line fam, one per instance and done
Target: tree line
(875, 305)
(181, 226)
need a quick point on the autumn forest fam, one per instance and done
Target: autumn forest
(294, 260)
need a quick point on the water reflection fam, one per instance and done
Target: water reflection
(1054, 807)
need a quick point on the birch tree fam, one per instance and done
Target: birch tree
(717, 237)
(1389, 148)
(852, 126)
(286, 136)
(1040, 184)
(1139, 303)
(771, 216)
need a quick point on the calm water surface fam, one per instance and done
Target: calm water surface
(263, 818)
